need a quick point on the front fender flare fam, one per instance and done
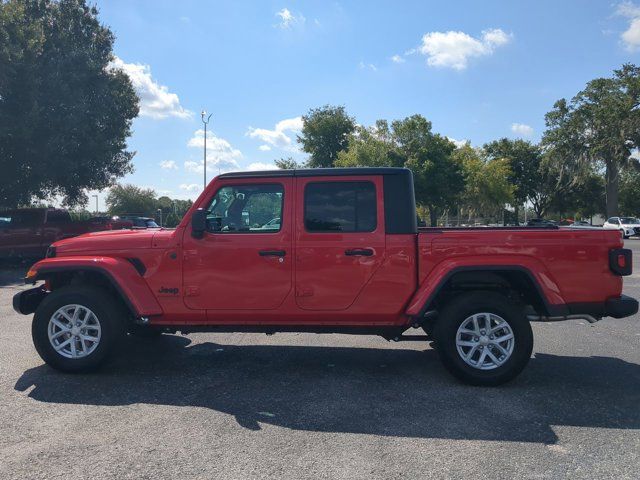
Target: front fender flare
(120, 273)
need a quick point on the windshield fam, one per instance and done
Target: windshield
(629, 220)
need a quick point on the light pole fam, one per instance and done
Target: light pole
(96, 197)
(205, 122)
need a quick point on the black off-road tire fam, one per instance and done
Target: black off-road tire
(463, 306)
(108, 311)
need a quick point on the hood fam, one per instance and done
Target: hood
(109, 240)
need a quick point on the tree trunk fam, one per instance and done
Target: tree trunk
(433, 215)
(612, 185)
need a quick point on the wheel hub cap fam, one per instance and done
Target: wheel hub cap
(485, 341)
(74, 331)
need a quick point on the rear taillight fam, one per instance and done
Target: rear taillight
(620, 261)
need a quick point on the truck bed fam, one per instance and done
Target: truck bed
(562, 260)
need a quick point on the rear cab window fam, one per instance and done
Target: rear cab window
(340, 207)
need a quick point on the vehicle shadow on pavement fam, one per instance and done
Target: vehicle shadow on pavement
(388, 392)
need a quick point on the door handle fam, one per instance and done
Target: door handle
(359, 252)
(272, 253)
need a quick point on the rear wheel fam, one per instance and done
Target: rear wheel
(483, 338)
(75, 328)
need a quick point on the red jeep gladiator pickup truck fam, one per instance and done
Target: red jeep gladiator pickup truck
(325, 251)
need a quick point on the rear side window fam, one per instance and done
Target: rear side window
(340, 207)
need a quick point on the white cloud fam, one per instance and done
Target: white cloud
(191, 187)
(369, 66)
(264, 148)
(631, 36)
(521, 129)
(455, 49)
(156, 101)
(288, 19)
(168, 165)
(260, 166)
(397, 59)
(280, 136)
(458, 143)
(221, 156)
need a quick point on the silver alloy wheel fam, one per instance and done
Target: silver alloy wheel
(485, 341)
(74, 331)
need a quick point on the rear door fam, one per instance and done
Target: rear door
(340, 239)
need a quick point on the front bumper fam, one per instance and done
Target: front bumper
(27, 301)
(621, 307)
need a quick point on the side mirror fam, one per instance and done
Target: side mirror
(199, 223)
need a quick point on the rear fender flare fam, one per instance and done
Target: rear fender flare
(437, 278)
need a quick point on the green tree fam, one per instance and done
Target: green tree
(524, 161)
(129, 199)
(629, 188)
(487, 181)
(598, 129)
(325, 132)
(371, 147)
(64, 114)
(287, 163)
(439, 181)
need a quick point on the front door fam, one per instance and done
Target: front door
(340, 239)
(244, 260)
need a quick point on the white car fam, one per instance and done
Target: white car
(628, 226)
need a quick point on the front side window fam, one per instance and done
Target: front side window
(340, 207)
(246, 209)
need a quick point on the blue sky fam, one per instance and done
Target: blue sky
(478, 70)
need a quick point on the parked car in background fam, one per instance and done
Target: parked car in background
(111, 223)
(140, 222)
(628, 226)
(28, 232)
(541, 222)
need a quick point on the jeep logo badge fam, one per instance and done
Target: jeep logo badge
(168, 291)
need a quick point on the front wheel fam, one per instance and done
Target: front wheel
(483, 338)
(75, 328)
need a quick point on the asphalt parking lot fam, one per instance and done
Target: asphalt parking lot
(311, 406)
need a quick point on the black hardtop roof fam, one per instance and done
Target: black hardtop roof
(319, 172)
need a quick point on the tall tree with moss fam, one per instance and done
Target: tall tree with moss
(598, 129)
(325, 133)
(65, 114)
